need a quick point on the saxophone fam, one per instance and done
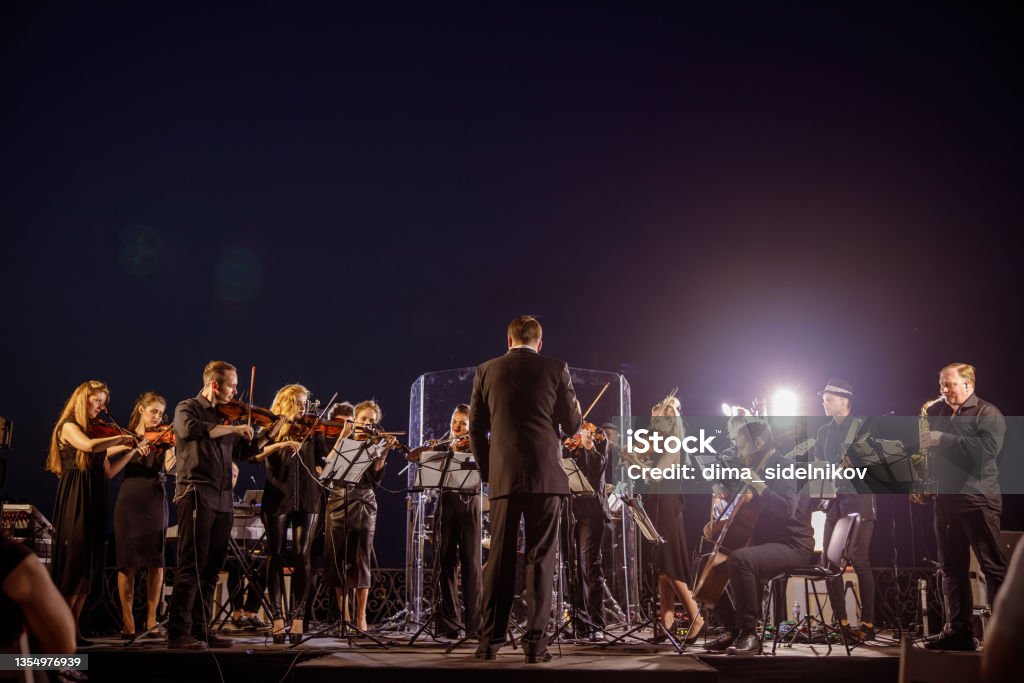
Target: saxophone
(921, 460)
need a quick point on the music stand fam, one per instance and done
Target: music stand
(352, 460)
(887, 472)
(652, 536)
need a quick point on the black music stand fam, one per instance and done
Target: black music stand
(445, 471)
(652, 536)
(352, 460)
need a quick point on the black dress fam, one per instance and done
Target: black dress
(140, 514)
(672, 558)
(79, 516)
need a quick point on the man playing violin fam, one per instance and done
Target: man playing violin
(782, 539)
(205, 450)
(458, 529)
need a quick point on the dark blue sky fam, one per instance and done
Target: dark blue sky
(720, 197)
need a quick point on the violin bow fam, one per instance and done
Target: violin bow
(252, 385)
(594, 402)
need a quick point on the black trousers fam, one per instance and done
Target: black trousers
(540, 512)
(459, 544)
(748, 568)
(589, 589)
(860, 544)
(303, 524)
(963, 522)
(203, 536)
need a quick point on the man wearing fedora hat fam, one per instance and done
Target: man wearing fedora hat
(832, 441)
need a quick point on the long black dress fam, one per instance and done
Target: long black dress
(79, 517)
(140, 514)
(351, 523)
(666, 511)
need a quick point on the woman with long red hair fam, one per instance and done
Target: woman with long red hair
(83, 462)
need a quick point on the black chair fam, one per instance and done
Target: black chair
(832, 564)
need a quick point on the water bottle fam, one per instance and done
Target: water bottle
(796, 611)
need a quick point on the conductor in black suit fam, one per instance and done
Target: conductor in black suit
(519, 402)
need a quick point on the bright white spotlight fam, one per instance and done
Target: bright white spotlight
(727, 410)
(784, 403)
(818, 526)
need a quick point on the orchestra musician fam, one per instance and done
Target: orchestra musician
(966, 444)
(203, 499)
(519, 402)
(140, 514)
(458, 529)
(291, 498)
(782, 539)
(666, 510)
(836, 400)
(591, 516)
(246, 589)
(83, 462)
(352, 520)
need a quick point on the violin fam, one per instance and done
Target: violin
(575, 442)
(104, 429)
(373, 433)
(160, 436)
(235, 411)
(310, 424)
(461, 444)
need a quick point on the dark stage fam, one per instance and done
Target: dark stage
(328, 659)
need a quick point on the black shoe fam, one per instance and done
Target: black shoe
(721, 643)
(213, 640)
(185, 643)
(538, 658)
(257, 623)
(747, 643)
(866, 632)
(957, 641)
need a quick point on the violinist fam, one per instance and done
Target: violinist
(140, 515)
(352, 520)
(589, 449)
(205, 449)
(666, 509)
(782, 539)
(291, 498)
(83, 458)
(459, 543)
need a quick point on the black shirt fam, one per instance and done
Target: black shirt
(830, 446)
(292, 483)
(785, 510)
(203, 462)
(591, 464)
(965, 459)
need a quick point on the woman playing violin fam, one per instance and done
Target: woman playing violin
(83, 461)
(291, 497)
(352, 520)
(140, 515)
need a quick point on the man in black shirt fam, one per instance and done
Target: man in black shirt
(966, 445)
(205, 449)
(591, 516)
(830, 446)
(782, 539)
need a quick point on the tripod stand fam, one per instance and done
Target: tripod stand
(651, 535)
(348, 466)
(450, 474)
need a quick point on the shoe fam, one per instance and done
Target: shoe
(746, 643)
(693, 633)
(185, 642)
(866, 632)
(239, 621)
(82, 642)
(213, 640)
(721, 643)
(538, 658)
(257, 623)
(957, 641)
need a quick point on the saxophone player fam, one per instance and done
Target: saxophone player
(967, 509)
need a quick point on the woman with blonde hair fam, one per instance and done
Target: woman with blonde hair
(82, 462)
(666, 511)
(291, 498)
(140, 515)
(352, 521)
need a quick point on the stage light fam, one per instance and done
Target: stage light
(727, 410)
(784, 403)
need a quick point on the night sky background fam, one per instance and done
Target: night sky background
(727, 197)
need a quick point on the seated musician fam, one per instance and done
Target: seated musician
(246, 589)
(782, 539)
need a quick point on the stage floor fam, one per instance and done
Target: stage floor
(254, 658)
